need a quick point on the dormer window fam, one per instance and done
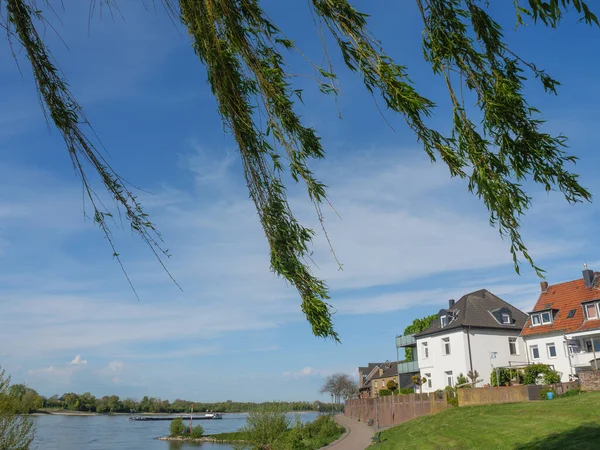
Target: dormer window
(506, 319)
(541, 318)
(591, 311)
(546, 317)
(443, 321)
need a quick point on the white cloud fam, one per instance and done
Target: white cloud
(115, 366)
(305, 372)
(77, 361)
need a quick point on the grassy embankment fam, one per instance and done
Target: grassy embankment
(563, 423)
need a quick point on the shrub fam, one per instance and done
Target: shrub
(544, 393)
(392, 385)
(385, 392)
(405, 391)
(453, 401)
(266, 425)
(571, 392)
(177, 427)
(534, 370)
(197, 432)
(461, 379)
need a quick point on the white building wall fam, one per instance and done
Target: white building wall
(561, 362)
(436, 366)
(490, 349)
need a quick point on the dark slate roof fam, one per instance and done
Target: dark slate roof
(391, 371)
(478, 309)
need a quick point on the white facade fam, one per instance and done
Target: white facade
(574, 351)
(445, 355)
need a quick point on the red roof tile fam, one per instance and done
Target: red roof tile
(565, 297)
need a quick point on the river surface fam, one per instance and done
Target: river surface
(54, 432)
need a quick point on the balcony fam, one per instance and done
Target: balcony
(583, 359)
(408, 367)
(406, 341)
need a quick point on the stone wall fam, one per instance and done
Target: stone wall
(395, 409)
(589, 380)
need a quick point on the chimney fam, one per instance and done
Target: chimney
(588, 276)
(544, 286)
(450, 303)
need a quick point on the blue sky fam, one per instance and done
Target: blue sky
(409, 237)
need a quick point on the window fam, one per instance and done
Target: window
(446, 346)
(425, 350)
(449, 379)
(512, 345)
(571, 314)
(444, 321)
(376, 384)
(551, 350)
(506, 318)
(546, 317)
(535, 352)
(535, 320)
(573, 346)
(588, 346)
(428, 377)
(591, 312)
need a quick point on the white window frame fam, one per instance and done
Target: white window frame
(375, 383)
(428, 376)
(449, 378)
(548, 345)
(546, 322)
(425, 348)
(446, 350)
(595, 308)
(443, 321)
(533, 317)
(511, 341)
(507, 316)
(534, 347)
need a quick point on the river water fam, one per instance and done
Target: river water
(54, 432)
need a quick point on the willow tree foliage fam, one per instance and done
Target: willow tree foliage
(16, 431)
(496, 141)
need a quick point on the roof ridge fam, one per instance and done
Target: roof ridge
(570, 281)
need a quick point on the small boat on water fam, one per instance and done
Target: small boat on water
(207, 416)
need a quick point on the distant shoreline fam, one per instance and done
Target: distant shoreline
(66, 412)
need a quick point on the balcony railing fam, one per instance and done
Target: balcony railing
(583, 359)
(406, 341)
(408, 367)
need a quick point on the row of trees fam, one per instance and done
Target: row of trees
(113, 404)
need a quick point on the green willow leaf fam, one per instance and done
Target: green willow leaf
(496, 144)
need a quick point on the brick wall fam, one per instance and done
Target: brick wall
(589, 380)
(394, 409)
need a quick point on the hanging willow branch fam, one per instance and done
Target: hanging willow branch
(243, 52)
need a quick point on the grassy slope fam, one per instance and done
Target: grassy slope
(567, 423)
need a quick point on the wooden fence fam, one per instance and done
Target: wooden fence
(395, 409)
(508, 394)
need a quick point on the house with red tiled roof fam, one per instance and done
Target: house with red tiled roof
(563, 330)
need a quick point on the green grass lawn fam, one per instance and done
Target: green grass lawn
(564, 423)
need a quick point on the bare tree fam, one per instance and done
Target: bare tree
(341, 386)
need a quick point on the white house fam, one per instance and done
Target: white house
(477, 333)
(563, 330)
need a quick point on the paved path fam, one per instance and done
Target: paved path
(358, 438)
